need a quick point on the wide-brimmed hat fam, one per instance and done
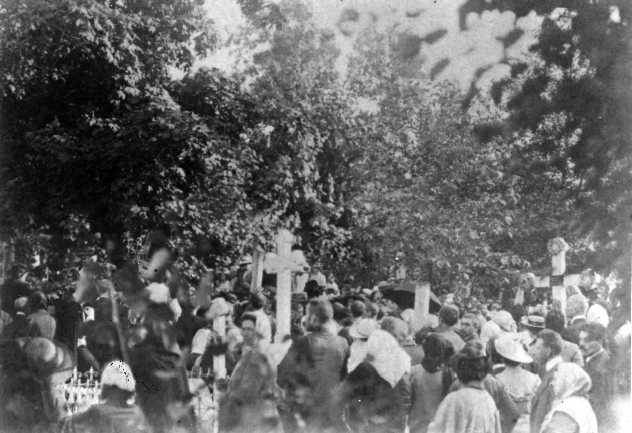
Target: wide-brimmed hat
(363, 329)
(504, 320)
(533, 321)
(46, 356)
(509, 347)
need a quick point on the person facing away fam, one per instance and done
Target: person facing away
(376, 394)
(116, 413)
(469, 409)
(570, 351)
(520, 384)
(40, 322)
(430, 381)
(570, 411)
(311, 370)
(448, 319)
(19, 326)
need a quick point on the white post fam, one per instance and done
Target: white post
(256, 271)
(422, 304)
(284, 242)
(219, 361)
(557, 248)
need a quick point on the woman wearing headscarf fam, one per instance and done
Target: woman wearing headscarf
(376, 394)
(571, 411)
(469, 409)
(430, 381)
(360, 333)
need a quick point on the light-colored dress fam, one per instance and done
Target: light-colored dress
(468, 410)
(576, 407)
(521, 386)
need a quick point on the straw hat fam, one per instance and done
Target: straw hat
(533, 321)
(508, 347)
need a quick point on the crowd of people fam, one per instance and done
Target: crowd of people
(353, 361)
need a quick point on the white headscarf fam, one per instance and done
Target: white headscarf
(387, 357)
(569, 380)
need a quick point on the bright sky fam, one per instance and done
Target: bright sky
(467, 50)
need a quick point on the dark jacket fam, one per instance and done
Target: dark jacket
(309, 373)
(542, 401)
(371, 404)
(599, 369)
(250, 402)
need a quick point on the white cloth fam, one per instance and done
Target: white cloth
(201, 339)
(357, 353)
(263, 326)
(387, 357)
(489, 331)
(118, 374)
(579, 409)
(598, 314)
(159, 293)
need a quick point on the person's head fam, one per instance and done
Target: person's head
(20, 305)
(341, 314)
(319, 312)
(576, 305)
(37, 301)
(248, 329)
(371, 310)
(118, 383)
(591, 337)
(396, 327)
(548, 345)
(313, 289)
(357, 308)
(437, 351)
(554, 320)
(470, 325)
(471, 363)
(448, 315)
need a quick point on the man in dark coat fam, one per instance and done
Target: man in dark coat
(547, 351)
(311, 370)
(598, 367)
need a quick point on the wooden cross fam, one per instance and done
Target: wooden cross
(283, 263)
(557, 248)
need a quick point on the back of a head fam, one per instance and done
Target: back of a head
(449, 315)
(312, 289)
(555, 321)
(437, 351)
(396, 327)
(471, 363)
(320, 311)
(551, 340)
(357, 308)
(371, 310)
(37, 301)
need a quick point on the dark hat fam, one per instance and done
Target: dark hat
(533, 321)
